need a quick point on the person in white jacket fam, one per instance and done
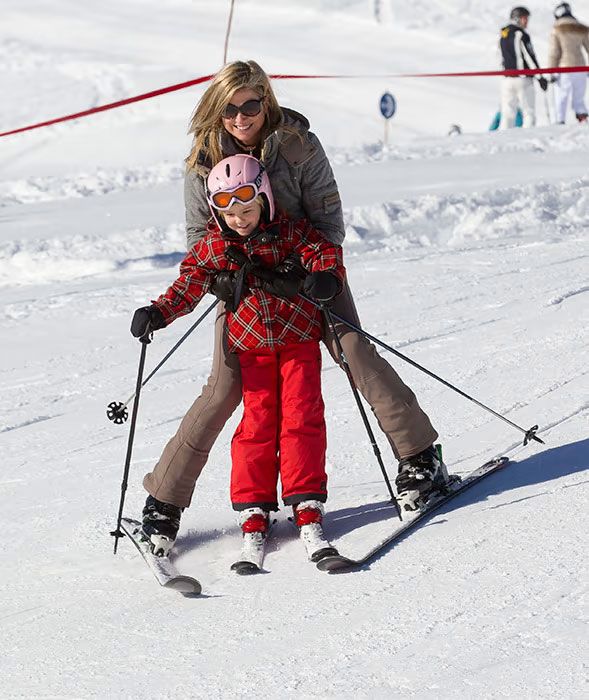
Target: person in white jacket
(569, 46)
(517, 92)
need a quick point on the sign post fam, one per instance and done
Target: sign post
(388, 107)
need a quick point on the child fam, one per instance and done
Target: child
(250, 259)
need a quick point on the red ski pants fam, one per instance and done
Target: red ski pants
(282, 430)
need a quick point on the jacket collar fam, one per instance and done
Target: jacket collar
(271, 230)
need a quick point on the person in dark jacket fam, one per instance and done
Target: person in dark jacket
(239, 113)
(517, 92)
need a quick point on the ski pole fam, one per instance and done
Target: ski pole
(344, 362)
(144, 340)
(547, 108)
(117, 411)
(528, 434)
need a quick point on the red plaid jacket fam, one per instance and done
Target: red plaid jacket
(261, 320)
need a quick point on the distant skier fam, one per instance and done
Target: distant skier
(257, 262)
(569, 46)
(518, 54)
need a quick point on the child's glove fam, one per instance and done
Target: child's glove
(282, 281)
(146, 319)
(322, 286)
(223, 287)
(292, 265)
(285, 279)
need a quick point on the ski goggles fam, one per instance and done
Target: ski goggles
(242, 193)
(250, 108)
(224, 199)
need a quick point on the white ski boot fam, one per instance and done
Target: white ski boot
(308, 517)
(254, 523)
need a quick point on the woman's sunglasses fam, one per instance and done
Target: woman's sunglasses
(250, 108)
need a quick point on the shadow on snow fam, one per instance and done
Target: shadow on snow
(541, 468)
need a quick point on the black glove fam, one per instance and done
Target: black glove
(146, 319)
(322, 286)
(283, 285)
(543, 83)
(284, 280)
(292, 265)
(223, 287)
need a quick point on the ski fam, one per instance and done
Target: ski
(162, 568)
(251, 558)
(317, 547)
(339, 562)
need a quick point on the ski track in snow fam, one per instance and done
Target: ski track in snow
(468, 254)
(567, 295)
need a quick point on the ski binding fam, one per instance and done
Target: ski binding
(413, 519)
(162, 568)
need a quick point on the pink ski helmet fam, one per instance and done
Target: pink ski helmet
(239, 178)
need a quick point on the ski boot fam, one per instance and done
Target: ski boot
(160, 525)
(308, 517)
(421, 477)
(255, 524)
(254, 521)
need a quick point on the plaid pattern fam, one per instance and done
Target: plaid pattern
(262, 320)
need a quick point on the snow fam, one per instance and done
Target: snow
(468, 254)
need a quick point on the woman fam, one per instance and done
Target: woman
(238, 113)
(569, 46)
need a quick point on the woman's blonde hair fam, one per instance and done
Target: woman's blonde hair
(206, 123)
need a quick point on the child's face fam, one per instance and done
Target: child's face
(243, 218)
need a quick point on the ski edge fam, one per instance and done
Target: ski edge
(164, 571)
(341, 562)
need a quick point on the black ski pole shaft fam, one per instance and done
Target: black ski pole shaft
(344, 362)
(179, 343)
(529, 434)
(145, 340)
(171, 352)
(117, 411)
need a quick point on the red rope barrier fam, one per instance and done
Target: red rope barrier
(111, 105)
(484, 73)
(205, 78)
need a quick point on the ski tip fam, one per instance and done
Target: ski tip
(335, 563)
(245, 568)
(323, 553)
(184, 584)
